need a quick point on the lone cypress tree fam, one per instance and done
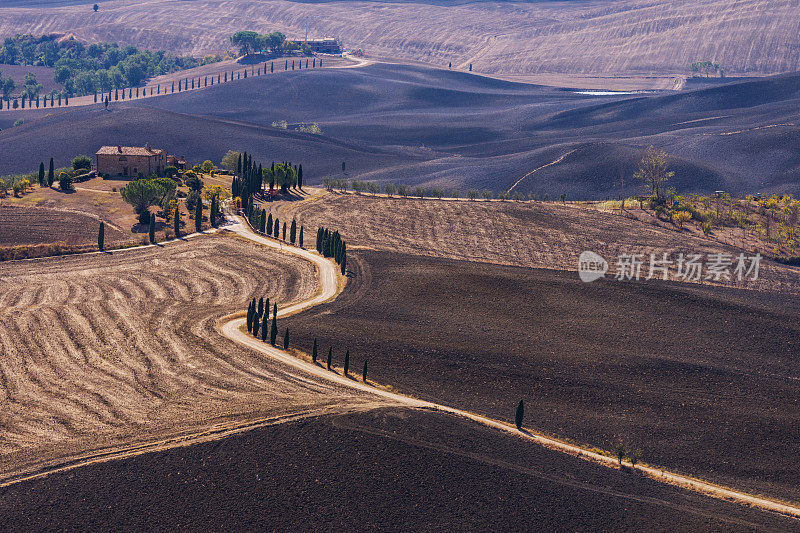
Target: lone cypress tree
(330, 357)
(101, 236)
(519, 415)
(152, 234)
(198, 216)
(346, 362)
(300, 177)
(177, 222)
(314, 352)
(273, 334)
(41, 174)
(301, 237)
(286, 339)
(364, 373)
(51, 174)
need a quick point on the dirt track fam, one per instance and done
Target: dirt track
(123, 348)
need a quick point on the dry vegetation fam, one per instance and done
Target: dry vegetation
(629, 36)
(531, 234)
(117, 348)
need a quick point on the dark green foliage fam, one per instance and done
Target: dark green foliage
(256, 323)
(41, 174)
(346, 362)
(51, 174)
(269, 225)
(293, 232)
(177, 218)
(263, 221)
(101, 236)
(277, 227)
(152, 228)
(198, 216)
(286, 339)
(364, 373)
(273, 334)
(301, 237)
(330, 357)
(250, 317)
(314, 352)
(300, 177)
(284, 231)
(212, 214)
(519, 415)
(264, 325)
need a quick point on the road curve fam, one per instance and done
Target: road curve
(329, 286)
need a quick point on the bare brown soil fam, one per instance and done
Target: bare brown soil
(36, 225)
(628, 36)
(532, 234)
(114, 349)
(701, 379)
(387, 470)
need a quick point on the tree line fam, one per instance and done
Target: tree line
(262, 327)
(250, 177)
(330, 244)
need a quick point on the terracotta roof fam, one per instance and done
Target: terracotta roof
(128, 150)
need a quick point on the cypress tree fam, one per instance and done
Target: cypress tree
(263, 220)
(239, 166)
(346, 362)
(261, 306)
(152, 228)
(300, 177)
(250, 317)
(314, 352)
(264, 325)
(330, 357)
(212, 215)
(293, 231)
(177, 227)
(269, 225)
(41, 174)
(284, 231)
(256, 324)
(301, 237)
(266, 308)
(271, 67)
(319, 240)
(198, 216)
(101, 236)
(273, 334)
(51, 175)
(364, 373)
(275, 310)
(286, 339)
(519, 415)
(277, 227)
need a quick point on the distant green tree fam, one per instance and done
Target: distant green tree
(256, 323)
(293, 231)
(346, 362)
(277, 227)
(41, 174)
(51, 176)
(265, 325)
(269, 225)
(198, 216)
(620, 452)
(101, 235)
(273, 335)
(520, 414)
(330, 357)
(284, 231)
(301, 237)
(95, 8)
(177, 219)
(152, 230)
(314, 352)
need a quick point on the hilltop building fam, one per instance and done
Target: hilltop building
(329, 45)
(130, 160)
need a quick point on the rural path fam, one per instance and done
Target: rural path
(328, 288)
(557, 161)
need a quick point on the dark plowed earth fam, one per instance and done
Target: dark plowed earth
(387, 470)
(107, 350)
(419, 125)
(702, 380)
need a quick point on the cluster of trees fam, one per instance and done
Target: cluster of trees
(706, 67)
(251, 177)
(262, 222)
(250, 42)
(330, 244)
(258, 322)
(143, 193)
(83, 69)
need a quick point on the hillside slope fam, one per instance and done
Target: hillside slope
(583, 36)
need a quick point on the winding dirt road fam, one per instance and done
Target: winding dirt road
(328, 282)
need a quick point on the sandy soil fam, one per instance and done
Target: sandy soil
(118, 349)
(628, 36)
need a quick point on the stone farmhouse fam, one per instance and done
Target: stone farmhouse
(129, 161)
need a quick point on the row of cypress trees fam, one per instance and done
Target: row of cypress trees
(14, 103)
(258, 322)
(329, 361)
(48, 179)
(262, 222)
(330, 244)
